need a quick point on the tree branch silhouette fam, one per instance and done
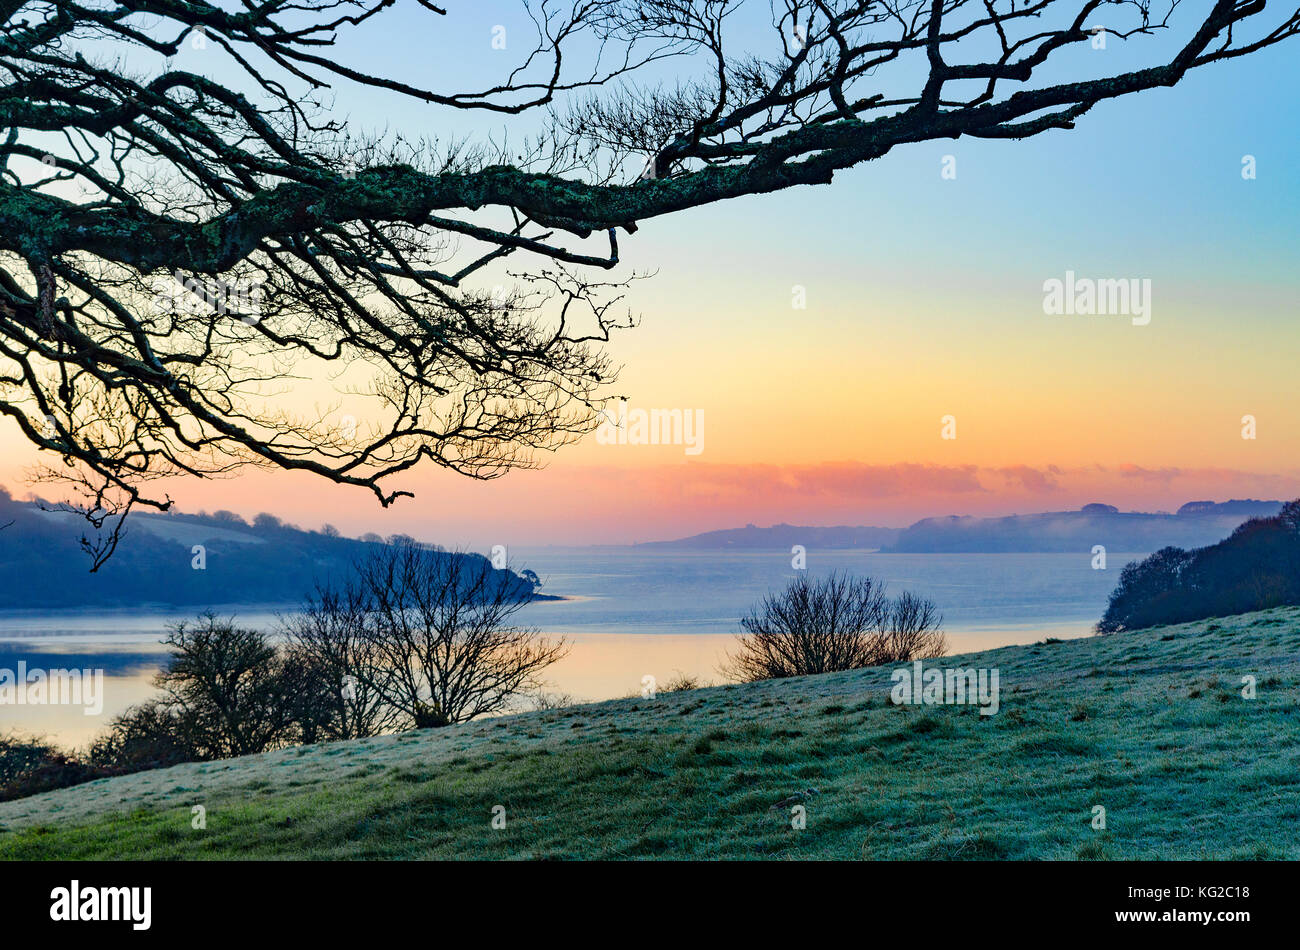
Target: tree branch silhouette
(178, 251)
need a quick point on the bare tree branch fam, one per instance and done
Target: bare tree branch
(176, 252)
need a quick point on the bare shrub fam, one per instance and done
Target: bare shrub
(148, 736)
(831, 624)
(541, 701)
(681, 681)
(29, 765)
(914, 631)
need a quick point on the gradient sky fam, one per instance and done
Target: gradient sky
(924, 298)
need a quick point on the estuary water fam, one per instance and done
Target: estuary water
(627, 613)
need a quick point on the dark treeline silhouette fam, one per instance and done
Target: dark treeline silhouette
(1255, 568)
(265, 561)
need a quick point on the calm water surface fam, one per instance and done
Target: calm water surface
(627, 614)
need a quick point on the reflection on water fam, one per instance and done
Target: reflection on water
(628, 614)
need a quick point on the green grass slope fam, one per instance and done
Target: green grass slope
(1151, 725)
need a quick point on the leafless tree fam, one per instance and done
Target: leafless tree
(328, 636)
(174, 247)
(236, 693)
(440, 647)
(830, 624)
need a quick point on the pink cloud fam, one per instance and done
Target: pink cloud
(573, 504)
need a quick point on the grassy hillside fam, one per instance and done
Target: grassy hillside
(1149, 724)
